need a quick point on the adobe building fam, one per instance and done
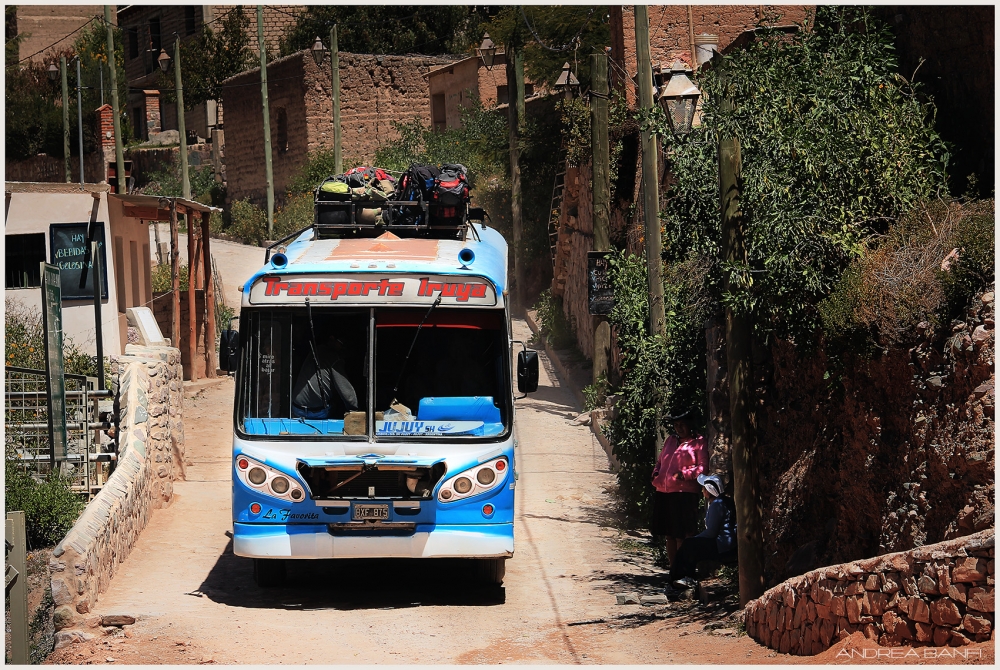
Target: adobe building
(50, 223)
(454, 86)
(150, 29)
(375, 92)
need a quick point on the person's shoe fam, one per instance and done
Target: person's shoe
(685, 583)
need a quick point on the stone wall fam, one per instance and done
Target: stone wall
(150, 459)
(43, 168)
(375, 92)
(576, 238)
(941, 594)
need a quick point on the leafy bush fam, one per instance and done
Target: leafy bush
(24, 343)
(552, 321)
(50, 507)
(248, 222)
(297, 213)
(318, 166)
(838, 147)
(161, 278)
(167, 182)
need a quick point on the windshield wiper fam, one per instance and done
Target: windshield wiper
(402, 368)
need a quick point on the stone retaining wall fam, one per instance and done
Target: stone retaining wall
(941, 594)
(151, 458)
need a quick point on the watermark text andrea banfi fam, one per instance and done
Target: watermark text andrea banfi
(923, 653)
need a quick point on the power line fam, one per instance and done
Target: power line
(57, 41)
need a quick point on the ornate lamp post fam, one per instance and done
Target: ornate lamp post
(487, 51)
(679, 98)
(567, 82)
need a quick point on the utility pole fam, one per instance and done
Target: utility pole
(267, 121)
(650, 185)
(79, 115)
(338, 157)
(116, 110)
(746, 488)
(515, 108)
(181, 129)
(601, 190)
(65, 111)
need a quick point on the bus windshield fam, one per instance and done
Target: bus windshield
(307, 378)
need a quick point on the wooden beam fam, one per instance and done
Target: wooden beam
(210, 362)
(192, 303)
(148, 213)
(175, 280)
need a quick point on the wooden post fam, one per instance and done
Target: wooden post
(650, 184)
(601, 191)
(181, 128)
(65, 115)
(192, 309)
(115, 107)
(175, 279)
(14, 532)
(338, 158)
(268, 171)
(746, 489)
(515, 62)
(210, 362)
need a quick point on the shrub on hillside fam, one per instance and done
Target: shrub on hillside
(50, 507)
(24, 343)
(926, 268)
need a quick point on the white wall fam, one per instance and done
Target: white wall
(32, 213)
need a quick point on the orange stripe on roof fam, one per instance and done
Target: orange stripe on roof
(386, 245)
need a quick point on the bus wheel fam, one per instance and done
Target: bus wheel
(268, 572)
(491, 570)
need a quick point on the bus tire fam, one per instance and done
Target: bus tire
(491, 570)
(268, 572)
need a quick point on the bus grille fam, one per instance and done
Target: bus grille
(372, 483)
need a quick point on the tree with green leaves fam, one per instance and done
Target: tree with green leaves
(212, 57)
(390, 29)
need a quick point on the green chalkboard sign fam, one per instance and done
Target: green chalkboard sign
(71, 254)
(53, 329)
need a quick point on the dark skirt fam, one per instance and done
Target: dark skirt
(675, 514)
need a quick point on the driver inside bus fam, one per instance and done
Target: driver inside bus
(324, 393)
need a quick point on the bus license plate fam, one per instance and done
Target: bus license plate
(371, 512)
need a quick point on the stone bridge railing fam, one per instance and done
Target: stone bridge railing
(941, 594)
(151, 458)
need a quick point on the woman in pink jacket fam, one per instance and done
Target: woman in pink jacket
(675, 480)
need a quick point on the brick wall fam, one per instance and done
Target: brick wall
(48, 25)
(375, 91)
(670, 30)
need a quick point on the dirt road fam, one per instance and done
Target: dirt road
(195, 602)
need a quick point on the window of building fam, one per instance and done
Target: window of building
(119, 260)
(282, 130)
(529, 90)
(438, 114)
(189, 20)
(154, 36)
(137, 123)
(133, 43)
(502, 98)
(24, 254)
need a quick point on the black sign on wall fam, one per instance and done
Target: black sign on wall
(600, 295)
(69, 246)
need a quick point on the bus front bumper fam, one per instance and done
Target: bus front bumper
(315, 541)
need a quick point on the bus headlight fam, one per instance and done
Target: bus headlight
(267, 480)
(479, 479)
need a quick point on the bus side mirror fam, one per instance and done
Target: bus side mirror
(229, 347)
(527, 371)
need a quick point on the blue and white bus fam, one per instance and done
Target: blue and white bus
(374, 408)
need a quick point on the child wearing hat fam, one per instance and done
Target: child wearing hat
(717, 541)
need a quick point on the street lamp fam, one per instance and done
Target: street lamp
(318, 51)
(567, 81)
(487, 51)
(679, 99)
(53, 72)
(164, 61)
